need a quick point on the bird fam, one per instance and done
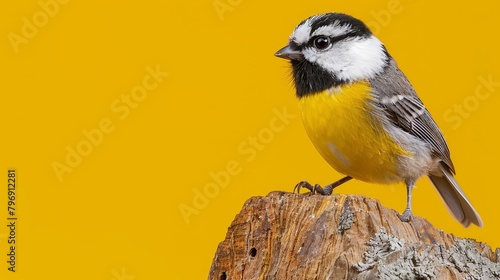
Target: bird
(363, 116)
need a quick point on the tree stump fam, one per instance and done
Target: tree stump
(295, 236)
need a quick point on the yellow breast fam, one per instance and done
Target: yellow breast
(348, 136)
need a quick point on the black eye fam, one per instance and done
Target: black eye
(321, 42)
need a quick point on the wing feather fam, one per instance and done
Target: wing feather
(403, 107)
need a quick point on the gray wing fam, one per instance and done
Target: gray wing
(403, 107)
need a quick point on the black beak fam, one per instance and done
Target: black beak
(288, 53)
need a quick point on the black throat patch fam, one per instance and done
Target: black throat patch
(310, 78)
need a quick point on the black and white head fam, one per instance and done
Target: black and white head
(332, 49)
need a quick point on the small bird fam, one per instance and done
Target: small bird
(363, 115)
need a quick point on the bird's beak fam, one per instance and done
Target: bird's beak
(288, 53)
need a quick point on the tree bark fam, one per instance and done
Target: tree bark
(291, 236)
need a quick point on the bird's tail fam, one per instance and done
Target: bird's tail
(454, 198)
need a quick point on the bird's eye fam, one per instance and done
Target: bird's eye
(321, 42)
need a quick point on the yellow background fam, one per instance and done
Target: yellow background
(116, 215)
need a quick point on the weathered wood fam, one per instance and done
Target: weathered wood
(292, 236)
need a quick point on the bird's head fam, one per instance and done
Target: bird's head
(332, 49)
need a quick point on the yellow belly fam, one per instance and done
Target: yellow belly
(348, 137)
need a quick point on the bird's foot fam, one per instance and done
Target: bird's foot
(406, 216)
(316, 189)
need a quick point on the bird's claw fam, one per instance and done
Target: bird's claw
(406, 216)
(316, 189)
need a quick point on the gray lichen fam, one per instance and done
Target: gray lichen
(380, 248)
(411, 264)
(346, 219)
(389, 257)
(466, 258)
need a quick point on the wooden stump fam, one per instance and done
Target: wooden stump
(290, 236)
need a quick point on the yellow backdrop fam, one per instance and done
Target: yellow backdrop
(138, 129)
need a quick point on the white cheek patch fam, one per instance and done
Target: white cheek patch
(333, 30)
(352, 59)
(333, 59)
(311, 55)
